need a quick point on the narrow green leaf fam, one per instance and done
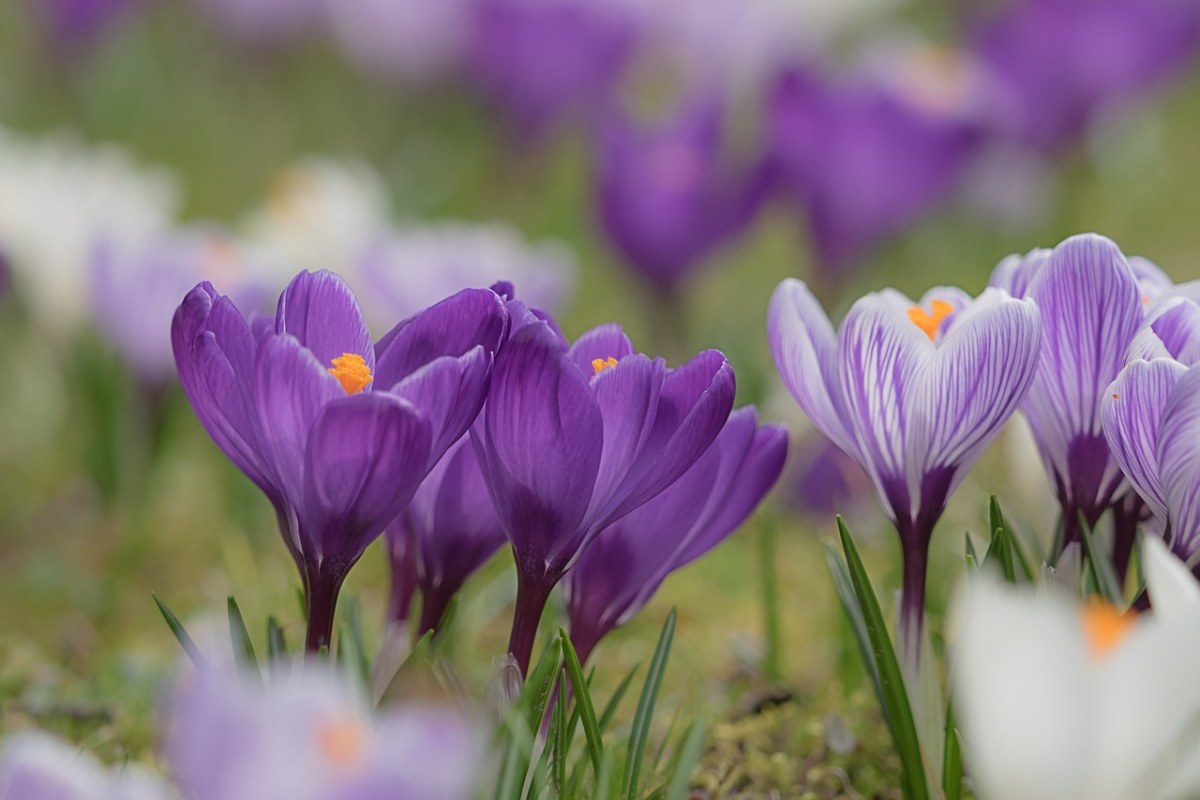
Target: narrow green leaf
(850, 605)
(1100, 569)
(276, 645)
(618, 694)
(583, 699)
(603, 787)
(542, 770)
(645, 710)
(524, 718)
(952, 764)
(515, 764)
(666, 739)
(969, 550)
(562, 742)
(540, 685)
(685, 765)
(181, 634)
(1012, 553)
(903, 727)
(243, 648)
(357, 659)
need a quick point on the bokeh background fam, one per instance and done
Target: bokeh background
(661, 164)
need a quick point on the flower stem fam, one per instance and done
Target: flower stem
(532, 594)
(912, 601)
(321, 595)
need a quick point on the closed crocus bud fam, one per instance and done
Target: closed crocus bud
(337, 432)
(669, 195)
(622, 569)
(575, 436)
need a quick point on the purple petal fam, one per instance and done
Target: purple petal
(449, 392)
(805, 348)
(1014, 273)
(539, 443)
(1173, 332)
(1091, 309)
(1131, 414)
(319, 309)
(600, 343)
(453, 327)
(365, 458)
(1179, 462)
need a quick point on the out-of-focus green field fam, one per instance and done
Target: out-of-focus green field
(83, 649)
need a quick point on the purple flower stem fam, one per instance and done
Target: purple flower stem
(912, 600)
(321, 595)
(531, 601)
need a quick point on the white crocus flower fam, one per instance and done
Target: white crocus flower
(59, 197)
(1062, 700)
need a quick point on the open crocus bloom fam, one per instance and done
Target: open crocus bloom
(622, 569)
(37, 766)
(337, 432)
(307, 734)
(1060, 700)
(575, 437)
(913, 391)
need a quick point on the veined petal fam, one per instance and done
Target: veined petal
(292, 388)
(365, 458)
(804, 345)
(1173, 332)
(320, 311)
(1179, 462)
(975, 382)
(1014, 273)
(453, 327)
(1132, 413)
(449, 392)
(1091, 309)
(600, 343)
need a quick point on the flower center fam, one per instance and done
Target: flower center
(343, 742)
(601, 364)
(351, 371)
(1104, 626)
(929, 321)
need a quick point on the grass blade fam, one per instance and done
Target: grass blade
(181, 634)
(899, 712)
(1101, 570)
(243, 648)
(618, 694)
(645, 709)
(583, 699)
(845, 591)
(276, 645)
(685, 765)
(952, 764)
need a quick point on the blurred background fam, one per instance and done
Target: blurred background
(660, 163)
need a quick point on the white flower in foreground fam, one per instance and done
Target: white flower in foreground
(59, 197)
(1060, 700)
(37, 766)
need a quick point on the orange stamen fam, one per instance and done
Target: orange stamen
(343, 742)
(599, 364)
(1104, 626)
(351, 371)
(929, 322)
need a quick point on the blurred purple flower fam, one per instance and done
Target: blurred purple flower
(1057, 64)
(37, 766)
(623, 567)
(913, 391)
(260, 22)
(338, 433)
(308, 734)
(151, 276)
(826, 481)
(447, 532)
(75, 25)
(1091, 307)
(541, 58)
(862, 160)
(408, 41)
(668, 196)
(573, 438)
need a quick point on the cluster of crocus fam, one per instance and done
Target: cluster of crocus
(1060, 698)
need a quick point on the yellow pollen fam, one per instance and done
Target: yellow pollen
(1104, 626)
(600, 364)
(929, 322)
(351, 371)
(343, 742)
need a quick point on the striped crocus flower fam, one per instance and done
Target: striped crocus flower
(914, 391)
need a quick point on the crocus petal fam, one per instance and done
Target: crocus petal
(452, 327)
(539, 442)
(36, 766)
(319, 309)
(1172, 586)
(1131, 414)
(1014, 273)
(1179, 462)
(449, 392)
(1091, 309)
(600, 343)
(1174, 332)
(366, 456)
(805, 348)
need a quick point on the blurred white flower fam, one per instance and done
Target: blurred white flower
(414, 267)
(1062, 700)
(58, 197)
(37, 766)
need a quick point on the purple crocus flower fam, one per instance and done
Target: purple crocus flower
(1091, 307)
(862, 160)
(407, 41)
(308, 734)
(575, 437)
(1058, 63)
(668, 197)
(37, 766)
(913, 391)
(336, 432)
(623, 567)
(540, 58)
(260, 22)
(447, 532)
(75, 25)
